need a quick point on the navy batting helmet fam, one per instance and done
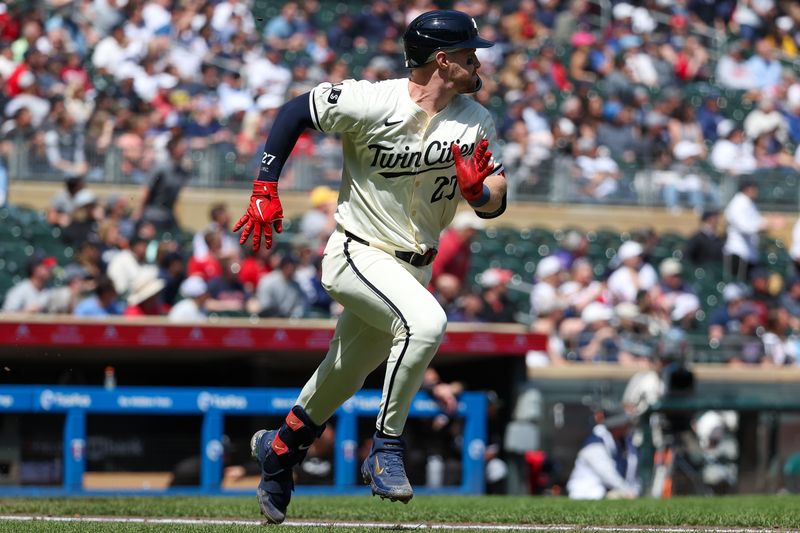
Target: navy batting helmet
(443, 29)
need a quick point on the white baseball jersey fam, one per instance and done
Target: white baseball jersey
(399, 187)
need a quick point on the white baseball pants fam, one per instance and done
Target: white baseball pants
(388, 313)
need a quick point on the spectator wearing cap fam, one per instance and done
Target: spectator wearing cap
(545, 296)
(580, 65)
(86, 216)
(278, 294)
(607, 463)
(77, 283)
(103, 301)
(496, 305)
(619, 134)
(572, 247)
(317, 223)
(454, 246)
(31, 294)
(632, 276)
(143, 298)
(725, 319)
(191, 308)
(705, 246)
(745, 223)
(743, 346)
(599, 341)
(29, 97)
(732, 153)
(671, 293)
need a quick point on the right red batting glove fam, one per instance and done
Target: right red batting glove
(471, 172)
(264, 211)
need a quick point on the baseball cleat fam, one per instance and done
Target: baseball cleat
(384, 470)
(274, 490)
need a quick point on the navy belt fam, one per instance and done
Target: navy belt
(412, 258)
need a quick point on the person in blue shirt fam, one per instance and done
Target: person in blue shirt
(103, 302)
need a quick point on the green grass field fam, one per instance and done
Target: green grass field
(782, 512)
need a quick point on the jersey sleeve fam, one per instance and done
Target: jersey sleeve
(339, 107)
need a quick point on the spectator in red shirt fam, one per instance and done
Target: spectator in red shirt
(454, 246)
(143, 298)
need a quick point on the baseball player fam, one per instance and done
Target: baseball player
(412, 148)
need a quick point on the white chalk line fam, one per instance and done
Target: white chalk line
(381, 525)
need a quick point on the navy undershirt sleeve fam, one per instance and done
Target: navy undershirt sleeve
(292, 119)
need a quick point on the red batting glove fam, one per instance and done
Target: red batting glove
(471, 172)
(265, 210)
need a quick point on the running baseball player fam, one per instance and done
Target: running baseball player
(412, 148)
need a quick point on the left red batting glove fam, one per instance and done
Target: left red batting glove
(264, 212)
(472, 172)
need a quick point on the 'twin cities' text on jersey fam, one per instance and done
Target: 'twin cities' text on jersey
(436, 153)
(398, 180)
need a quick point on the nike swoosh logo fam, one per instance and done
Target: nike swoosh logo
(378, 469)
(387, 123)
(279, 448)
(301, 447)
(258, 206)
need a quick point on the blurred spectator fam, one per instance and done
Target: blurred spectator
(125, 266)
(103, 302)
(764, 68)
(496, 305)
(65, 146)
(725, 319)
(278, 294)
(194, 294)
(632, 276)
(582, 289)
(573, 246)
(744, 225)
(689, 180)
(77, 282)
(317, 223)
(607, 463)
(790, 301)
(766, 119)
(226, 291)
(208, 266)
(705, 246)
(454, 246)
(732, 70)
(619, 133)
(172, 270)
(286, 31)
(545, 296)
(447, 289)
(744, 345)
(31, 294)
(709, 116)
(568, 20)
(220, 222)
(157, 203)
(761, 293)
(599, 341)
(63, 202)
(84, 221)
(599, 174)
(671, 294)
(780, 341)
(732, 153)
(143, 297)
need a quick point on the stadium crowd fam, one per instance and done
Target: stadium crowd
(98, 91)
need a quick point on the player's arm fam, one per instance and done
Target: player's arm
(265, 210)
(482, 185)
(496, 186)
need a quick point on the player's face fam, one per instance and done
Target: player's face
(463, 70)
